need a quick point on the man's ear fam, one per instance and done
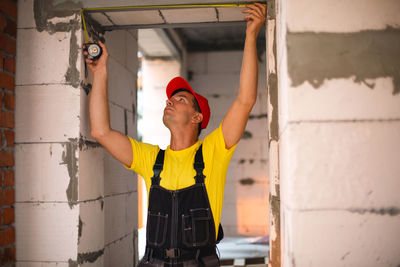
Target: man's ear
(197, 118)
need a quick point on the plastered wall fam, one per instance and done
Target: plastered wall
(339, 122)
(216, 75)
(75, 205)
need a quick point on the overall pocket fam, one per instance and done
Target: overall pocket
(196, 227)
(157, 224)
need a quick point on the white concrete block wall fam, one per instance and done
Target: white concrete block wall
(47, 133)
(339, 121)
(216, 75)
(69, 190)
(120, 185)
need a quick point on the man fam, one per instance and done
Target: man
(186, 181)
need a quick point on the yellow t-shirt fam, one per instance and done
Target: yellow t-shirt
(178, 171)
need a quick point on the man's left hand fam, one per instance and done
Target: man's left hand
(255, 18)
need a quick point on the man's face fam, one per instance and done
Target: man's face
(179, 109)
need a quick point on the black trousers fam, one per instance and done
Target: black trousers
(206, 261)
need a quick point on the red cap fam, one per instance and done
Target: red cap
(180, 83)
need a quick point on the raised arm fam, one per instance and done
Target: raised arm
(235, 120)
(116, 143)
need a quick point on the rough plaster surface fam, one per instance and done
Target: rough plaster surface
(368, 54)
(38, 235)
(46, 113)
(91, 173)
(356, 166)
(307, 104)
(340, 238)
(342, 15)
(40, 176)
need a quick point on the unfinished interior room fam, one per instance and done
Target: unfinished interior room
(314, 177)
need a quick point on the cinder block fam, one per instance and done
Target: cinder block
(229, 217)
(121, 253)
(41, 175)
(121, 84)
(131, 58)
(117, 179)
(98, 262)
(262, 79)
(223, 84)
(46, 231)
(35, 66)
(197, 62)
(132, 124)
(120, 216)
(25, 14)
(220, 104)
(91, 173)
(91, 222)
(342, 99)
(84, 120)
(261, 106)
(309, 236)
(224, 62)
(101, 19)
(46, 113)
(117, 117)
(248, 149)
(41, 264)
(340, 165)
(138, 17)
(249, 194)
(257, 169)
(341, 16)
(257, 126)
(189, 15)
(231, 13)
(116, 45)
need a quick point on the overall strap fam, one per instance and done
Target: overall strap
(157, 168)
(199, 165)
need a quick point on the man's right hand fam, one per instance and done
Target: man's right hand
(101, 63)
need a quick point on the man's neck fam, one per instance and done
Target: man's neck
(182, 139)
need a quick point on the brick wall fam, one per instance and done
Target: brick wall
(8, 30)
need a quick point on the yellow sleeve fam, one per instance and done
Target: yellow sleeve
(144, 156)
(216, 140)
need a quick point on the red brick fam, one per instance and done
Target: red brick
(7, 44)
(9, 7)
(6, 158)
(8, 178)
(2, 22)
(11, 28)
(8, 255)
(7, 81)
(9, 64)
(1, 105)
(9, 101)
(7, 236)
(7, 197)
(9, 138)
(6, 119)
(1, 61)
(8, 215)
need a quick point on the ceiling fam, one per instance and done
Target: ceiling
(201, 28)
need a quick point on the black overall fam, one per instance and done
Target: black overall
(180, 224)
